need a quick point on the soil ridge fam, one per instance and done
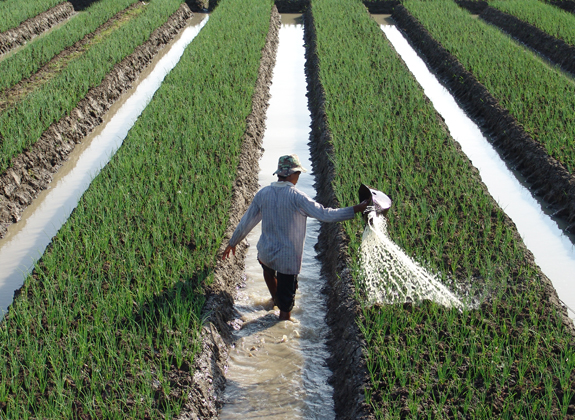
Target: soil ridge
(556, 50)
(568, 5)
(380, 7)
(205, 398)
(291, 6)
(32, 171)
(25, 86)
(349, 370)
(34, 26)
(547, 177)
(503, 130)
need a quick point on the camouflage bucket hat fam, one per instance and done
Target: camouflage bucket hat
(289, 164)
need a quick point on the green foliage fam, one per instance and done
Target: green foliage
(14, 12)
(427, 361)
(23, 124)
(108, 325)
(552, 20)
(540, 97)
(39, 51)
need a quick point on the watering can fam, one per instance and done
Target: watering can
(378, 200)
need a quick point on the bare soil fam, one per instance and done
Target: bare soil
(32, 171)
(547, 177)
(568, 5)
(205, 395)
(32, 27)
(556, 50)
(292, 6)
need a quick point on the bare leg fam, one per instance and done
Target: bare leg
(272, 283)
(285, 316)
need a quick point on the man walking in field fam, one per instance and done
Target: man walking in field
(283, 211)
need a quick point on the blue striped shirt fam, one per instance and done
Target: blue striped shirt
(284, 210)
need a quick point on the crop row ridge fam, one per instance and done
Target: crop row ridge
(34, 26)
(502, 129)
(11, 96)
(556, 50)
(556, 185)
(216, 335)
(346, 361)
(31, 172)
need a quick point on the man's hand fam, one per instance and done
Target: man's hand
(361, 207)
(226, 253)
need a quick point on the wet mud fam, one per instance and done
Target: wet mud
(205, 397)
(381, 7)
(198, 6)
(350, 376)
(292, 6)
(568, 5)
(32, 171)
(32, 27)
(556, 50)
(548, 179)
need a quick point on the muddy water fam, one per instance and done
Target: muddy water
(277, 368)
(552, 248)
(26, 241)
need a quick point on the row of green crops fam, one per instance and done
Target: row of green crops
(108, 327)
(510, 357)
(540, 97)
(549, 19)
(23, 124)
(14, 12)
(41, 50)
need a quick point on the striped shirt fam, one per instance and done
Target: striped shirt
(284, 210)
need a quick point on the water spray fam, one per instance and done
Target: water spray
(387, 274)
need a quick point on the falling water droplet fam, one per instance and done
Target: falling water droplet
(388, 275)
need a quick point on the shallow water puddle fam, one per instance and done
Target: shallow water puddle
(277, 369)
(552, 248)
(26, 240)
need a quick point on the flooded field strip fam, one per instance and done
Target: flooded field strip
(27, 240)
(554, 252)
(278, 369)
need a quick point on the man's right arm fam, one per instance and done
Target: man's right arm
(249, 220)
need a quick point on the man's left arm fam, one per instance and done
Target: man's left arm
(249, 220)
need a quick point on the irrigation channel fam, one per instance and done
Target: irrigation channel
(277, 368)
(26, 241)
(553, 250)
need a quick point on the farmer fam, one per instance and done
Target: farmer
(283, 210)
